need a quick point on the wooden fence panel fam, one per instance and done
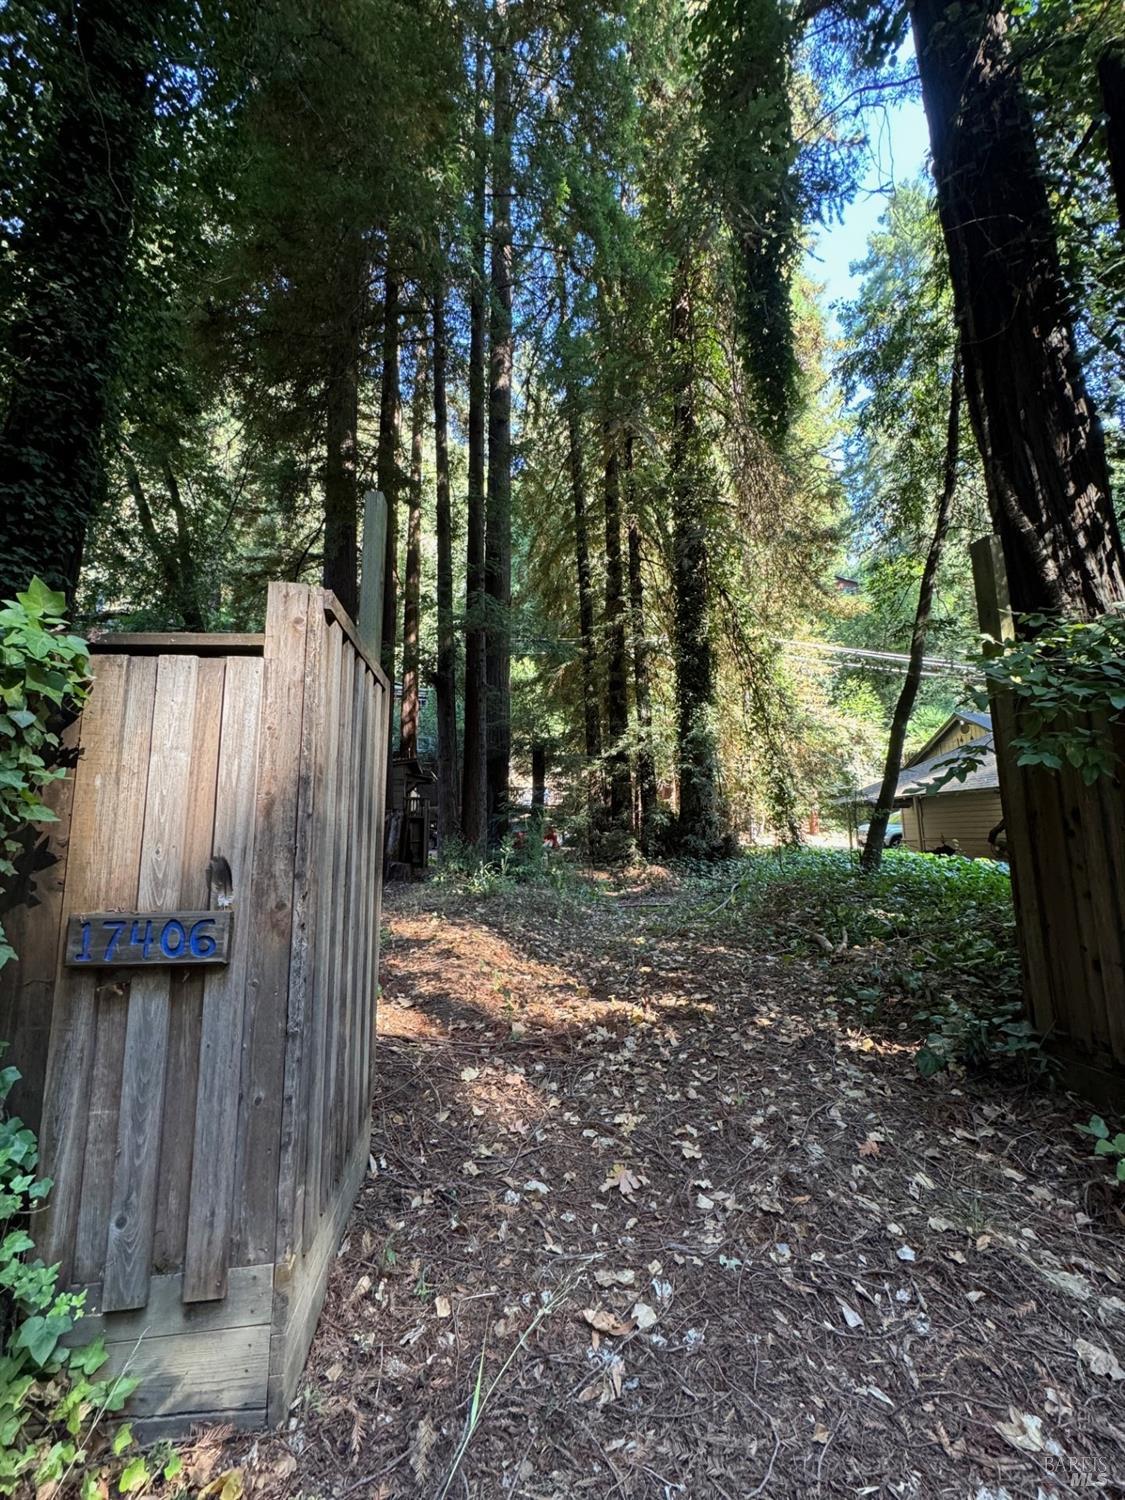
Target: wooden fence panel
(208, 1129)
(181, 1086)
(1066, 845)
(211, 1204)
(270, 922)
(132, 1216)
(106, 823)
(324, 956)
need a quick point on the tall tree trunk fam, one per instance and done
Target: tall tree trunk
(70, 265)
(474, 817)
(646, 766)
(699, 828)
(412, 580)
(498, 528)
(1111, 82)
(1040, 441)
(538, 782)
(386, 461)
(591, 716)
(617, 680)
(877, 829)
(341, 488)
(445, 680)
(576, 467)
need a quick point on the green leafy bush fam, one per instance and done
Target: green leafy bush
(51, 1402)
(43, 677)
(1068, 680)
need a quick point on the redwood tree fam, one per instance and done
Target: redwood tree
(445, 678)
(1035, 424)
(473, 795)
(498, 521)
(412, 574)
(71, 257)
(386, 463)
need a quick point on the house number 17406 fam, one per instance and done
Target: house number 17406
(117, 939)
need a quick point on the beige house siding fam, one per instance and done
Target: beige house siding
(958, 733)
(966, 817)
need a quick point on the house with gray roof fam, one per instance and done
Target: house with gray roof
(940, 811)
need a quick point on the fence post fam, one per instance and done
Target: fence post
(994, 614)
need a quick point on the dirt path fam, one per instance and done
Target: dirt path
(707, 1241)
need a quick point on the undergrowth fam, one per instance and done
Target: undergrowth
(926, 945)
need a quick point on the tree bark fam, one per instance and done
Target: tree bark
(445, 680)
(412, 580)
(699, 827)
(498, 526)
(1039, 438)
(592, 725)
(70, 265)
(538, 785)
(386, 461)
(646, 766)
(872, 854)
(473, 792)
(617, 680)
(341, 485)
(1111, 82)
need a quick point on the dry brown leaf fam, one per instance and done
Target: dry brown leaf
(603, 1321)
(623, 1179)
(1100, 1361)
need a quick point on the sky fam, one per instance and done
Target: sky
(897, 146)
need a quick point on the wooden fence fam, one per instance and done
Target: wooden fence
(207, 1127)
(1066, 844)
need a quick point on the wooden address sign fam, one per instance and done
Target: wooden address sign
(116, 939)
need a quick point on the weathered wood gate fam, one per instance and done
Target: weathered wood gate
(207, 1129)
(1066, 843)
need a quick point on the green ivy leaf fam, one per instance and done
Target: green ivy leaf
(134, 1476)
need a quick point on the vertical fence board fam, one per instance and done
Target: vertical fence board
(995, 615)
(302, 958)
(367, 936)
(322, 995)
(106, 823)
(337, 981)
(1107, 831)
(207, 1253)
(132, 1215)
(182, 1083)
(270, 921)
(345, 1109)
(382, 742)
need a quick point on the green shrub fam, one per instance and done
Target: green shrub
(935, 931)
(43, 678)
(51, 1402)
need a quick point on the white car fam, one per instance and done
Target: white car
(891, 839)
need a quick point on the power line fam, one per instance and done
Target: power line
(932, 666)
